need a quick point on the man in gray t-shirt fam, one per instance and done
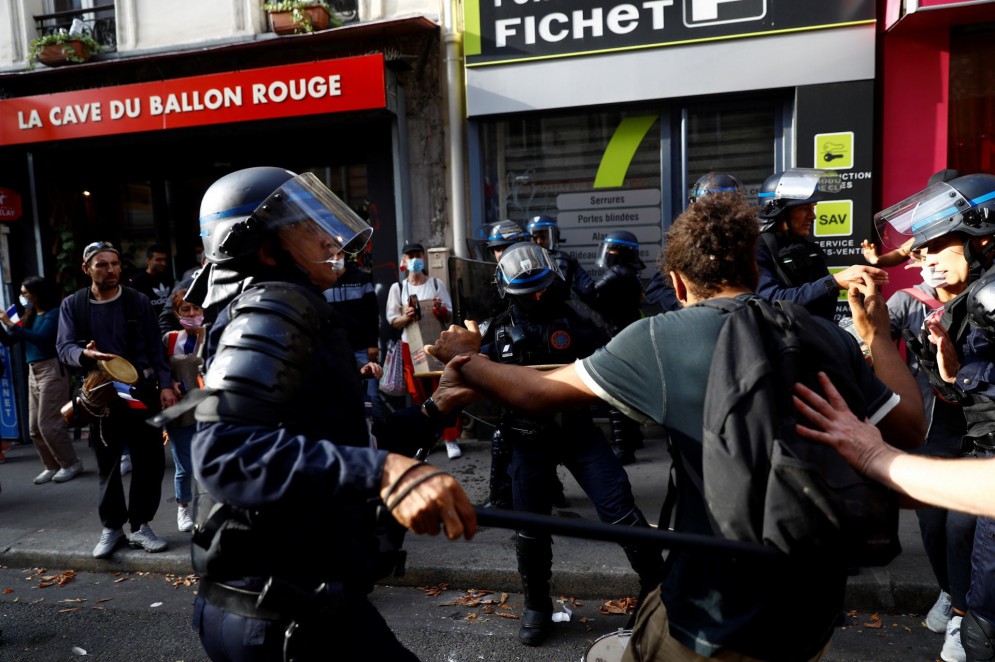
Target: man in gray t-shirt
(656, 370)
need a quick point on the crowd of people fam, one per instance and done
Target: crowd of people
(263, 367)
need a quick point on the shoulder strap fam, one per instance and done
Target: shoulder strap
(924, 298)
(81, 314)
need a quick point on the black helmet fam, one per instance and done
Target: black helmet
(981, 305)
(619, 247)
(965, 204)
(505, 233)
(525, 268)
(792, 188)
(547, 224)
(714, 182)
(242, 208)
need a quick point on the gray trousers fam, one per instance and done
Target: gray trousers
(48, 390)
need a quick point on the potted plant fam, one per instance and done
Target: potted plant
(61, 48)
(300, 16)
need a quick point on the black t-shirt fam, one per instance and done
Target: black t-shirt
(156, 288)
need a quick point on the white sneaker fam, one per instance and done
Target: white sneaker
(125, 464)
(67, 473)
(939, 615)
(453, 450)
(183, 520)
(953, 649)
(109, 539)
(44, 476)
(145, 538)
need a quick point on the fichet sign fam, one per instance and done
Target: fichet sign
(10, 205)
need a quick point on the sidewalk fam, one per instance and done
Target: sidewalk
(55, 526)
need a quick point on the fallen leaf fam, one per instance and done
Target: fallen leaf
(119, 580)
(98, 601)
(68, 609)
(504, 598)
(7, 591)
(434, 591)
(76, 600)
(620, 606)
(471, 617)
(875, 622)
(488, 609)
(502, 615)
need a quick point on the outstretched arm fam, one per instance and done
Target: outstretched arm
(967, 485)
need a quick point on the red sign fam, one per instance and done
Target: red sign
(10, 205)
(330, 86)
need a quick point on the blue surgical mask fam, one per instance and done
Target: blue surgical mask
(24, 301)
(416, 265)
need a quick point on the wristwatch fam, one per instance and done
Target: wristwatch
(430, 409)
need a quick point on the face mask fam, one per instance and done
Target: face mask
(337, 265)
(24, 301)
(930, 278)
(194, 322)
(416, 265)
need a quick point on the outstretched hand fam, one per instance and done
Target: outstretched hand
(868, 308)
(455, 341)
(426, 503)
(859, 442)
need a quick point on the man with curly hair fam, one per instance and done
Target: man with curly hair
(710, 604)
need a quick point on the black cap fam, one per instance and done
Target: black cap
(411, 248)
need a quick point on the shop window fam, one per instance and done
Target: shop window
(972, 100)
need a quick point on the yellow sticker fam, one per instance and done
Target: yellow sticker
(834, 218)
(834, 271)
(834, 151)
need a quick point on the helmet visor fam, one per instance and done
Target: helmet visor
(807, 184)
(313, 224)
(546, 232)
(923, 216)
(525, 268)
(611, 251)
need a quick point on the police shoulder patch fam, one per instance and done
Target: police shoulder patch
(560, 339)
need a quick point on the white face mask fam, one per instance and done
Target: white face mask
(24, 301)
(337, 265)
(930, 278)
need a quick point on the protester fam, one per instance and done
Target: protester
(185, 366)
(98, 323)
(155, 282)
(281, 446)
(48, 380)
(401, 313)
(706, 605)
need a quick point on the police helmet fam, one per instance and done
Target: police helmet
(243, 208)
(505, 233)
(965, 204)
(547, 225)
(619, 247)
(714, 182)
(981, 305)
(525, 268)
(792, 188)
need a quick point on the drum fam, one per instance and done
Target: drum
(608, 648)
(97, 392)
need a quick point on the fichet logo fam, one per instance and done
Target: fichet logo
(699, 13)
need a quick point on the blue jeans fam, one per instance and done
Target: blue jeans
(180, 438)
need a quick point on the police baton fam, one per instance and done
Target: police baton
(579, 528)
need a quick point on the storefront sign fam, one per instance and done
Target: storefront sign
(10, 205)
(503, 30)
(329, 86)
(8, 405)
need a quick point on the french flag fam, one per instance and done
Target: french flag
(124, 392)
(14, 317)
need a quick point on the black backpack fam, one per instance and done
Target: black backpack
(761, 481)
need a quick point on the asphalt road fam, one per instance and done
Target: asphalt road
(124, 617)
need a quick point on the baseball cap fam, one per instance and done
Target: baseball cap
(97, 247)
(411, 248)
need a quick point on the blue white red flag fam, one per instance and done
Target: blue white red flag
(124, 392)
(14, 317)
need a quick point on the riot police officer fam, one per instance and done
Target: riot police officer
(503, 234)
(281, 447)
(545, 231)
(537, 329)
(792, 266)
(618, 294)
(958, 360)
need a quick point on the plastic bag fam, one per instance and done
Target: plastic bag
(392, 381)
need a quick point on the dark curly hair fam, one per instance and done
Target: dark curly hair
(713, 244)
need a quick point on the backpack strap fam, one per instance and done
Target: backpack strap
(922, 297)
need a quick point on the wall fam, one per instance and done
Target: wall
(143, 24)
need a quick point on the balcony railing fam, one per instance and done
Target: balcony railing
(98, 22)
